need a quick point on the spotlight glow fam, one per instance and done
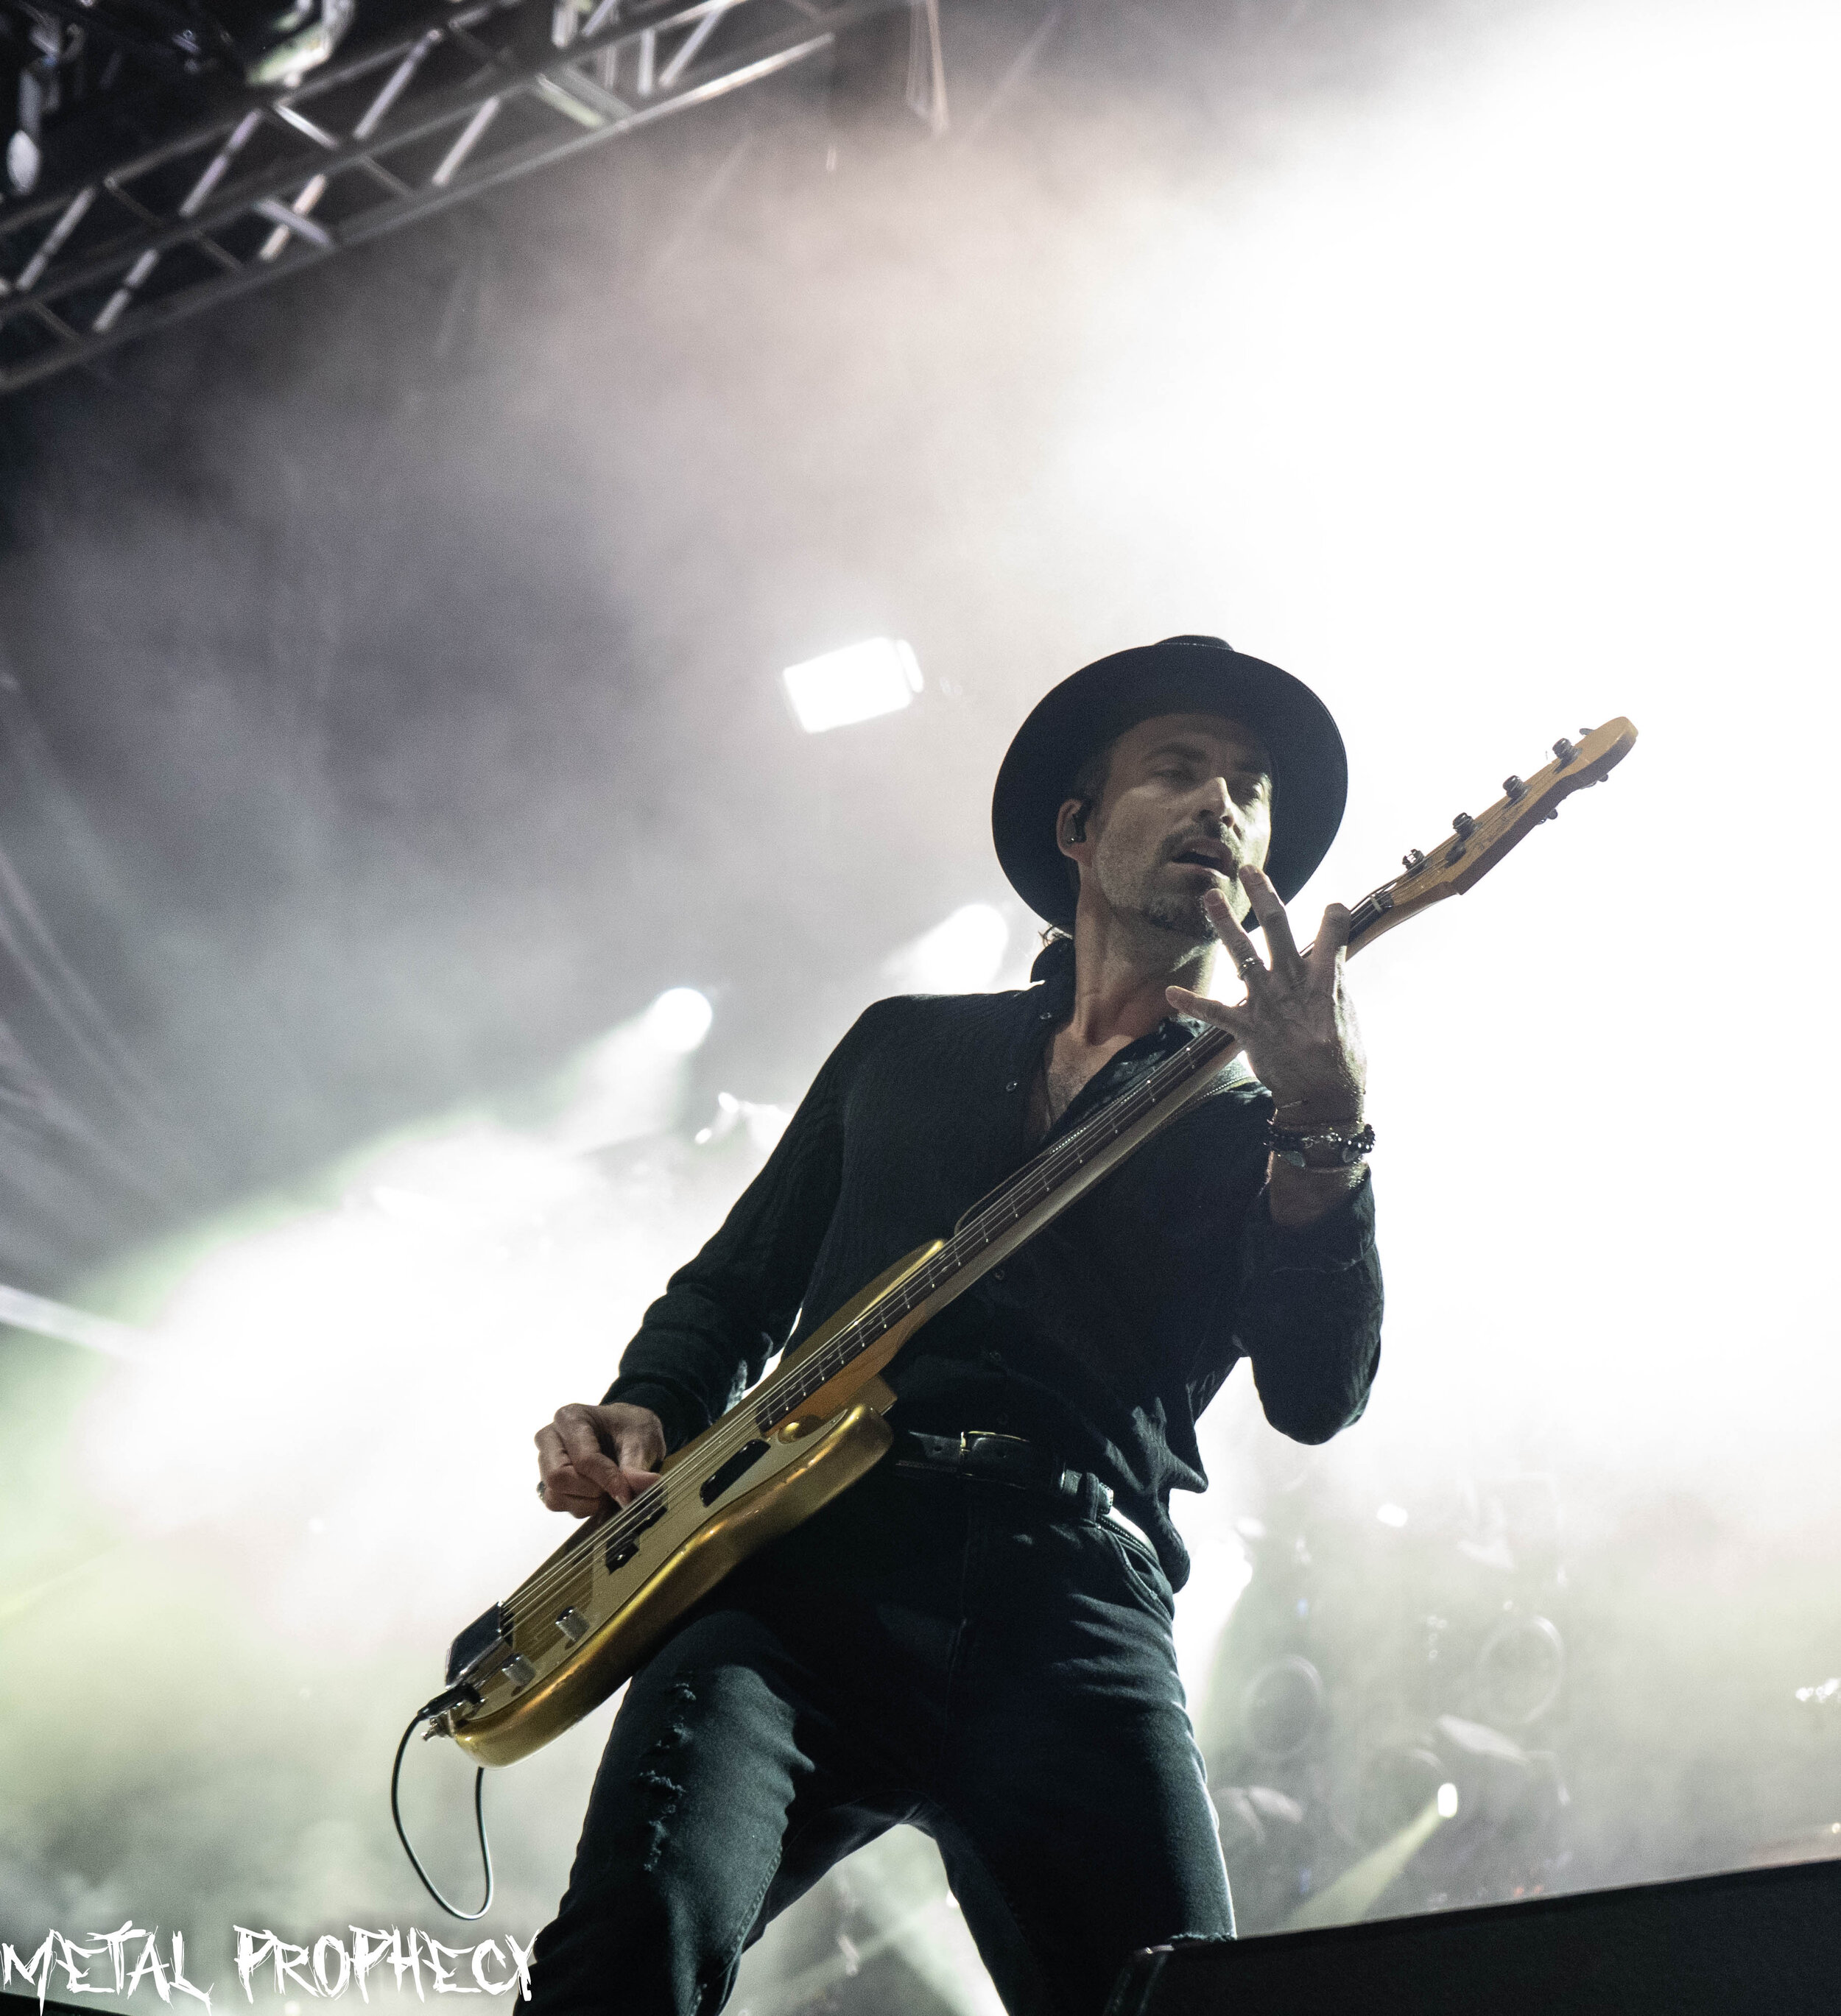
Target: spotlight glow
(679, 1020)
(764, 1124)
(1447, 1800)
(877, 677)
(960, 955)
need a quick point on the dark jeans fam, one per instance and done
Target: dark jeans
(973, 1660)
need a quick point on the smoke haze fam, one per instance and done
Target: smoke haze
(403, 645)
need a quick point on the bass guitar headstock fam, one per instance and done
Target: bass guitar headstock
(1455, 865)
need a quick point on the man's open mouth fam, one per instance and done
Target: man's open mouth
(1219, 860)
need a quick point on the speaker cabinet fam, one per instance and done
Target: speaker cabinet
(1761, 1942)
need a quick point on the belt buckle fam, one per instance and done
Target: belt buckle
(997, 1446)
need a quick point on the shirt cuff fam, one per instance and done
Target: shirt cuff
(1341, 1238)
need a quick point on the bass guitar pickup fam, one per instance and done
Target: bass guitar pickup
(476, 1647)
(725, 1475)
(623, 1541)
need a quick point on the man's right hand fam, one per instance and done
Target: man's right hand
(588, 1455)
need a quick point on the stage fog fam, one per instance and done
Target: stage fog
(420, 910)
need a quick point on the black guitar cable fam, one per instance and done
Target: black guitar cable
(429, 1712)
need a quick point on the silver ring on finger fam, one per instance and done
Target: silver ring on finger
(1246, 965)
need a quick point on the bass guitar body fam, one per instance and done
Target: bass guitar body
(559, 1644)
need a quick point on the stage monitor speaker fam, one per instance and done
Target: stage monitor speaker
(1761, 1942)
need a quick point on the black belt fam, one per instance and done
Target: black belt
(989, 1458)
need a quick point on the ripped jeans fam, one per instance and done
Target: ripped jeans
(974, 1660)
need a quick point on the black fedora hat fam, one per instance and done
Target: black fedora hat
(1096, 704)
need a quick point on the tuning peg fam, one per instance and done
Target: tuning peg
(1564, 749)
(1464, 825)
(1412, 861)
(1513, 788)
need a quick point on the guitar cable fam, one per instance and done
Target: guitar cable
(430, 1711)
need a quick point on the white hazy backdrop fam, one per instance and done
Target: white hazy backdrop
(1495, 403)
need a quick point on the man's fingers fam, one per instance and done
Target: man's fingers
(556, 1473)
(1273, 920)
(1202, 1007)
(579, 1434)
(639, 1444)
(1332, 937)
(1228, 928)
(587, 1455)
(567, 1490)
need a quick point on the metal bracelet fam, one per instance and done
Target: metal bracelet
(1331, 1149)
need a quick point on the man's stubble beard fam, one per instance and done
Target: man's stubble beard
(1181, 916)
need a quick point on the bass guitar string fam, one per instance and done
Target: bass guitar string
(1042, 1176)
(798, 1383)
(1012, 1203)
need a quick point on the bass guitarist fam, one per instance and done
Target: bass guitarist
(975, 1639)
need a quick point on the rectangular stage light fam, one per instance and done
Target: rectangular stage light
(880, 676)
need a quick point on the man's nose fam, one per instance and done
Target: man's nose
(1217, 804)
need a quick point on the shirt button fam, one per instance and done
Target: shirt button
(1013, 1085)
(1047, 1015)
(997, 1273)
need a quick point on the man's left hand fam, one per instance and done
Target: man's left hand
(1296, 1024)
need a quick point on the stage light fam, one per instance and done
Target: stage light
(763, 1124)
(1356, 1892)
(679, 1020)
(1519, 1672)
(1488, 1773)
(960, 955)
(633, 1081)
(1391, 1515)
(280, 46)
(878, 676)
(20, 1311)
(1447, 1800)
(1283, 1706)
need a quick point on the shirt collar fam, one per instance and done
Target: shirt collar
(1052, 999)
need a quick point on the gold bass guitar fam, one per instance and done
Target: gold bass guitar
(562, 1641)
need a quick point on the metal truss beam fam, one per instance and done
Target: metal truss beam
(471, 96)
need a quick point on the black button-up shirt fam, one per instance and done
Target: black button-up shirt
(1103, 1338)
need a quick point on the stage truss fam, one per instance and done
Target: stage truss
(468, 98)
